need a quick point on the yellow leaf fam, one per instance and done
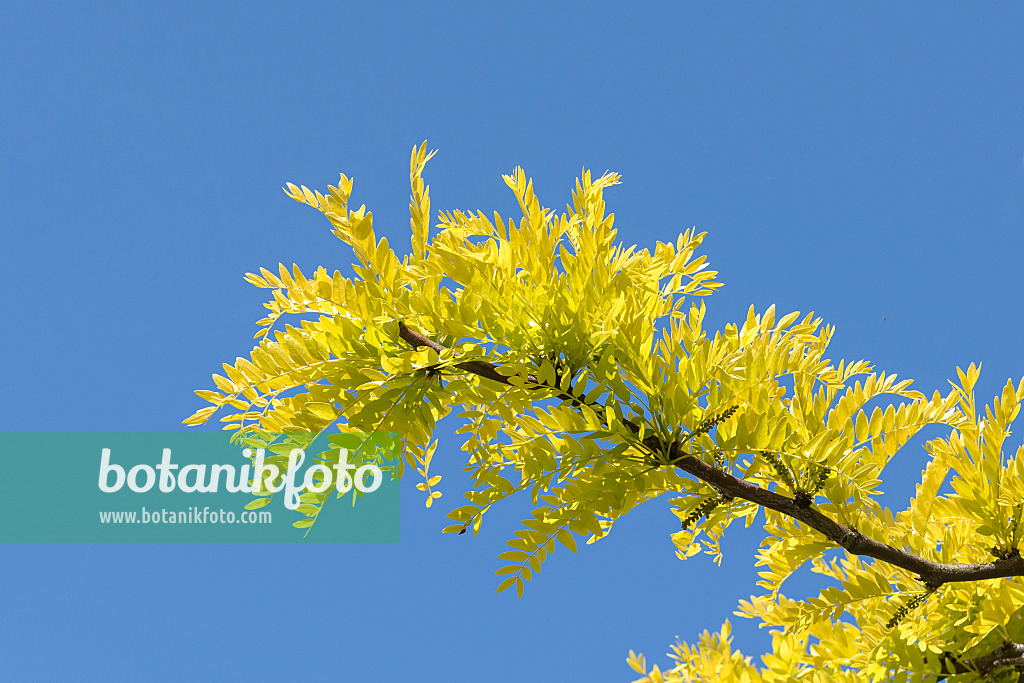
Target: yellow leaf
(322, 410)
(200, 416)
(637, 662)
(506, 584)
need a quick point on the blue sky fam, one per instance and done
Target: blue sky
(864, 162)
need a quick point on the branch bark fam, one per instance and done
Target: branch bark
(1006, 655)
(476, 367)
(933, 574)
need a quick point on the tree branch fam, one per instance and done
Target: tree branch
(479, 367)
(1007, 654)
(933, 574)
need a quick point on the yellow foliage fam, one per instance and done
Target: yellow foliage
(584, 378)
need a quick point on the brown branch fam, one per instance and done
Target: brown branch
(1007, 654)
(933, 574)
(856, 543)
(479, 367)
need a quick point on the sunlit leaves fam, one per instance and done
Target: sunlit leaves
(599, 378)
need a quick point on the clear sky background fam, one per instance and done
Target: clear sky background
(863, 162)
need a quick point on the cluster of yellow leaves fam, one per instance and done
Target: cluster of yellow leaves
(859, 625)
(602, 346)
